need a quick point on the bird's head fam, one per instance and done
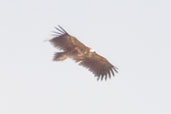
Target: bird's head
(91, 50)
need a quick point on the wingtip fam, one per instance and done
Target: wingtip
(62, 29)
(105, 76)
(115, 69)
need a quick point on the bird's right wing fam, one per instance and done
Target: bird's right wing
(99, 65)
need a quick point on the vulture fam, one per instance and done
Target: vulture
(85, 56)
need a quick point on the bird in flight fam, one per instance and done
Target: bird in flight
(85, 56)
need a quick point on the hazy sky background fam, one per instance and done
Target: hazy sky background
(135, 35)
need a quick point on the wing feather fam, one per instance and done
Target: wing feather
(100, 66)
(64, 41)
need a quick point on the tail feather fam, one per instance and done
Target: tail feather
(60, 56)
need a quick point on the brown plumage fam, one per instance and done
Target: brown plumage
(85, 56)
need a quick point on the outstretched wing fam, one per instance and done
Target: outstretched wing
(100, 66)
(64, 41)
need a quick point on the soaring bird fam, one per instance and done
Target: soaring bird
(72, 48)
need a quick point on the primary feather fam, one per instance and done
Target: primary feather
(73, 48)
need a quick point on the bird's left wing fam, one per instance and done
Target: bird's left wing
(100, 66)
(62, 39)
(65, 41)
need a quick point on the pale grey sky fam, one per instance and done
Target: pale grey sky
(134, 35)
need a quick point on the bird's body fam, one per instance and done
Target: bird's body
(85, 56)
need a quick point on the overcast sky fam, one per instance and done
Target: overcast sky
(133, 35)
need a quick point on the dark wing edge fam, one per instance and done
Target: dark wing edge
(60, 31)
(62, 39)
(99, 66)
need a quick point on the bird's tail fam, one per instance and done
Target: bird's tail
(60, 56)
